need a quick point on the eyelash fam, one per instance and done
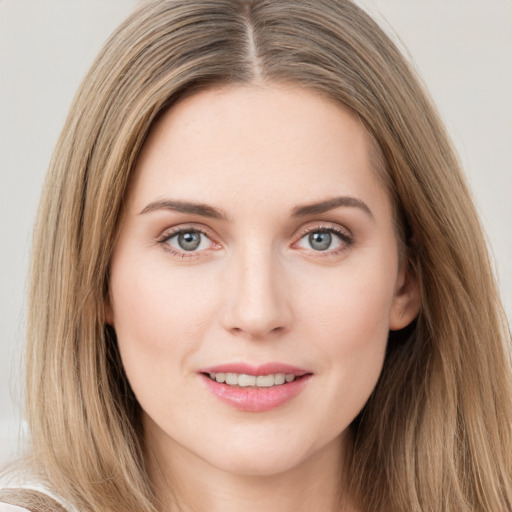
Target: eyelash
(168, 235)
(346, 238)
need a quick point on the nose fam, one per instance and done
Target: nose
(258, 304)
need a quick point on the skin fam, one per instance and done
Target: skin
(255, 291)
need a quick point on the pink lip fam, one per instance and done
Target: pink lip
(262, 369)
(251, 399)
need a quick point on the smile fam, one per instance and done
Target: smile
(255, 388)
(259, 381)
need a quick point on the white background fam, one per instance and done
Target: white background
(462, 48)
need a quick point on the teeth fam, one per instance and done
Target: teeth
(261, 381)
(231, 379)
(280, 378)
(246, 380)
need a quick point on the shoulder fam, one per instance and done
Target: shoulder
(28, 500)
(23, 490)
(5, 507)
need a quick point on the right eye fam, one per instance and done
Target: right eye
(188, 240)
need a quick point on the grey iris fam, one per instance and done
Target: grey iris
(320, 240)
(189, 241)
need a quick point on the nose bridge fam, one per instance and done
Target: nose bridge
(258, 304)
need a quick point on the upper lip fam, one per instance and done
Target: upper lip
(262, 369)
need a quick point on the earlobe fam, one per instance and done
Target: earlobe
(407, 301)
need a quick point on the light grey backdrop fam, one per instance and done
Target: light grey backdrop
(463, 49)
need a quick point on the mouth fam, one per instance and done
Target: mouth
(255, 388)
(243, 380)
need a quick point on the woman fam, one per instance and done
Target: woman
(258, 269)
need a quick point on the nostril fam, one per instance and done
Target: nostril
(258, 332)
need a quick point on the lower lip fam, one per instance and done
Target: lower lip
(256, 399)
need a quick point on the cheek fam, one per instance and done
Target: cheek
(349, 321)
(352, 305)
(159, 318)
(150, 301)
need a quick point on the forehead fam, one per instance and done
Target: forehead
(277, 142)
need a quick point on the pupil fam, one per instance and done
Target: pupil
(189, 241)
(321, 240)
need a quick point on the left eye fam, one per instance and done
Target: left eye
(189, 240)
(321, 240)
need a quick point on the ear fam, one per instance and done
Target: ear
(407, 299)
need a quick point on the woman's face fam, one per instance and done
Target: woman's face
(255, 279)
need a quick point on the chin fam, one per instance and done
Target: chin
(261, 458)
(259, 464)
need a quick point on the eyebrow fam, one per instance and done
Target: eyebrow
(211, 212)
(201, 209)
(331, 204)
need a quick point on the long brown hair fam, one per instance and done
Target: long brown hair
(436, 433)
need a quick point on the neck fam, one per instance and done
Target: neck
(185, 482)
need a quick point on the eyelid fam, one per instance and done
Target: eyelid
(180, 228)
(333, 227)
(346, 236)
(173, 231)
